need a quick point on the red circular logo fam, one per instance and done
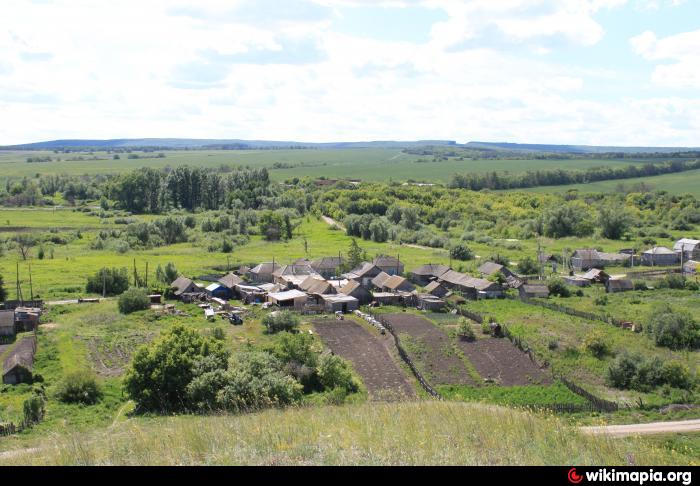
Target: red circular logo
(574, 477)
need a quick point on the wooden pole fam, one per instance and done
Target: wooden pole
(146, 274)
(104, 282)
(136, 282)
(31, 288)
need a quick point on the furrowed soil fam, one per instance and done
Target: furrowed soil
(381, 375)
(431, 349)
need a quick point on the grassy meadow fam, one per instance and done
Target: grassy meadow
(421, 433)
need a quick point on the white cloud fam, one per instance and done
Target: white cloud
(681, 50)
(75, 68)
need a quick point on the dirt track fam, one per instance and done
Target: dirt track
(645, 429)
(369, 356)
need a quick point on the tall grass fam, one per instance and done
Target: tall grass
(438, 433)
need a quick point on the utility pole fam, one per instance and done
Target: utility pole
(104, 283)
(19, 288)
(146, 274)
(31, 289)
(136, 281)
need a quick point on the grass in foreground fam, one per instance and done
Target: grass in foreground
(377, 434)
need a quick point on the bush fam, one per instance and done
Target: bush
(79, 387)
(133, 300)
(674, 330)
(602, 300)
(279, 321)
(636, 372)
(462, 253)
(334, 372)
(596, 344)
(34, 409)
(114, 281)
(557, 287)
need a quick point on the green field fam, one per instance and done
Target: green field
(376, 165)
(682, 183)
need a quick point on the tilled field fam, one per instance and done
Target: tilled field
(498, 359)
(431, 349)
(380, 373)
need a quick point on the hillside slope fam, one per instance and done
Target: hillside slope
(369, 434)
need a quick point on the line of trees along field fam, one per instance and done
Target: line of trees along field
(503, 180)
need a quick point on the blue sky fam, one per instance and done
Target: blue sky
(606, 72)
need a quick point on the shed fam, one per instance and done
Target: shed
(585, 259)
(491, 268)
(534, 291)
(340, 303)
(618, 285)
(596, 275)
(7, 323)
(431, 303)
(387, 298)
(354, 289)
(427, 273)
(290, 298)
(250, 294)
(220, 291)
(27, 318)
(18, 365)
(577, 281)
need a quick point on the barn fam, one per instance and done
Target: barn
(427, 273)
(534, 291)
(290, 298)
(340, 303)
(354, 289)
(436, 289)
(614, 286)
(18, 365)
(7, 323)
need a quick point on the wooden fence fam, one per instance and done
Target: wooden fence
(569, 311)
(407, 359)
(14, 304)
(595, 404)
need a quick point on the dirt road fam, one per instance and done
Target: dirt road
(645, 429)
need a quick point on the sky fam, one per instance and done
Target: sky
(596, 72)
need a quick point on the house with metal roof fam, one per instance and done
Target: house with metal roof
(660, 256)
(690, 249)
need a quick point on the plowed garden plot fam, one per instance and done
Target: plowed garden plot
(500, 360)
(431, 349)
(380, 373)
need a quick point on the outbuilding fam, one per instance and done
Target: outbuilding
(290, 298)
(618, 285)
(18, 365)
(340, 303)
(354, 289)
(219, 291)
(660, 256)
(427, 273)
(533, 291)
(7, 323)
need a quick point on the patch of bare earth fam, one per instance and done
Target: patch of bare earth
(499, 360)
(431, 349)
(110, 357)
(380, 373)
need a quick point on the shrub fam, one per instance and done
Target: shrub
(133, 300)
(462, 253)
(677, 375)
(114, 281)
(79, 387)
(602, 300)
(279, 321)
(159, 374)
(674, 330)
(636, 372)
(334, 372)
(34, 409)
(558, 287)
(596, 344)
(466, 332)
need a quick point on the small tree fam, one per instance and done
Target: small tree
(334, 372)
(674, 330)
(24, 244)
(558, 287)
(614, 222)
(113, 281)
(355, 254)
(596, 344)
(133, 300)
(466, 332)
(34, 409)
(527, 266)
(168, 274)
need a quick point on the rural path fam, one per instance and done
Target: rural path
(330, 222)
(645, 429)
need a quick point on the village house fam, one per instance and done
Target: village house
(243, 271)
(317, 286)
(490, 268)
(182, 286)
(595, 275)
(19, 362)
(470, 287)
(427, 273)
(389, 264)
(7, 324)
(618, 285)
(533, 291)
(354, 289)
(379, 280)
(219, 291)
(364, 274)
(328, 267)
(397, 284)
(583, 260)
(688, 249)
(230, 281)
(660, 256)
(263, 273)
(436, 289)
(292, 276)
